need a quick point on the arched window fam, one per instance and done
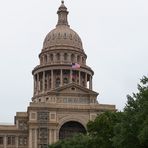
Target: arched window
(70, 36)
(65, 56)
(69, 129)
(47, 99)
(45, 59)
(64, 35)
(59, 36)
(41, 60)
(78, 59)
(83, 60)
(51, 57)
(58, 57)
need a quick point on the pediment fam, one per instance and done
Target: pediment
(74, 89)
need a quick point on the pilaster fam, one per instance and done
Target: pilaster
(52, 79)
(43, 81)
(61, 78)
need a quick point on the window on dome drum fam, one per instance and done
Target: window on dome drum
(58, 57)
(41, 60)
(51, 57)
(70, 36)
(72, 58)
(11, 140)
(47, 99)
(59, 36)
(65, 56)
(1, 140)
(45, 58)
(78, 59)
(64, 35)
(83, 60)
(57, 82)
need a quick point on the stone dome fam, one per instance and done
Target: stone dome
(62, 35)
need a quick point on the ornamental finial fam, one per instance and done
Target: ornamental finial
(62, 1)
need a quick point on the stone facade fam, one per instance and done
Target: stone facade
(63, 100)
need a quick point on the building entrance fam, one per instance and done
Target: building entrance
(71, 128)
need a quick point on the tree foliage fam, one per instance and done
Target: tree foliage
(102, 129)
(127, 129)
(133, 129)
(77, 141)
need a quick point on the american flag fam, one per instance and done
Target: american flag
(75, 66)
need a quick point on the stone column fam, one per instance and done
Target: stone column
(79, 78)
(90, 82)
(50, 136)
(54, 58)
(43, 60)
(55, 136)
(5, 141)
(35, 138)
(69, 57)
(61, 78)
(86, 80)
(71, 76)
(30, 138)
(43, 84)
(49, 60)
(62, 57)
(81, 60)
(76, 60)
(17, 142)
(38, 85)
(34, 84)
(51, 79)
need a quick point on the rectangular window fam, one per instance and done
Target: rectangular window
(8, 140)
(1, 140)
(11, 140)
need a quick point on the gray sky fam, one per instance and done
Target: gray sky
(114, 35)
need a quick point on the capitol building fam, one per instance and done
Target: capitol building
(63, 100)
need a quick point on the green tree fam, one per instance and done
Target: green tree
(133, 129)
(102, 129)
(77, 141)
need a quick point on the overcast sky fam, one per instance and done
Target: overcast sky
(114, 35)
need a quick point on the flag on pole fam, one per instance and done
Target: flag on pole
(75, 66)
